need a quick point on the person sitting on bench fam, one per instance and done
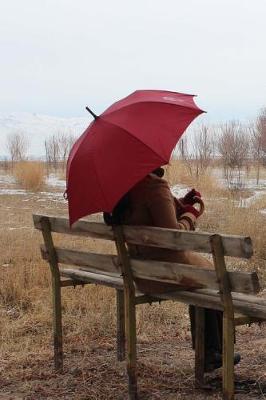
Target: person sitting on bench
(151, 203)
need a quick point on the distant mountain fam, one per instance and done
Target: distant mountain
(37, 128)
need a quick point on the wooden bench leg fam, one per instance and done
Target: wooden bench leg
(57, 323)
(120, 323)
(130, 324)
(56, 293)
(228, 358)
(199, 346)
(228, 316)
(130, 311)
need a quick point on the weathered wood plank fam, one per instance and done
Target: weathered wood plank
(228, 316)
(244, 298)
(130, 312)
(56, 294)
(80, 228)
(236, 246)
(202, 297)
(193, 276)
(211, 299)
(69, 282)
(75, 274)
(181, 274)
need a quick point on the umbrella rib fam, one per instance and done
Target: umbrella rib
(136, 138)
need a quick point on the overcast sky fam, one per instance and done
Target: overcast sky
(59, 55)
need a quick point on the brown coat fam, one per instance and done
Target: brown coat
(152, 204)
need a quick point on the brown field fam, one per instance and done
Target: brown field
(91, 370)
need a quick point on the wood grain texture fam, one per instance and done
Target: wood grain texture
(236, 246)
(228, 316)
(183, 275)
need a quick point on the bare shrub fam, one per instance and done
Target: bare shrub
(17, 145)
(52, 151)
(203, 149)
(258, 141)
(233, 146)
(57, 148)
(197, 154)
(30, 175)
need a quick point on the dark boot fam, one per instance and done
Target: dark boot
(213, 338)
(213, 329)
(215, 360)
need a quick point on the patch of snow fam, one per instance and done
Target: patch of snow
(252, 184)
(12, 192)
(54, 181)
(252, 199)
(263, 211)
(4, 179)
(41, 196)
(179, 190)
(19, 227)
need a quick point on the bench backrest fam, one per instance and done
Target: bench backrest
(110, 264)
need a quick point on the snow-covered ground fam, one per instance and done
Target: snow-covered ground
(234, 182)
(54, 181)
(8, 187)
(56, 187)
(257, 194)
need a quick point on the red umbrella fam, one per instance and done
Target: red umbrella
(121, 146)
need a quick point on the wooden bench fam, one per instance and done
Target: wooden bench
(233, 292)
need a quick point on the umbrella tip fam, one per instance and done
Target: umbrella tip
(92, 113)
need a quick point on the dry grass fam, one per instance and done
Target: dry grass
(177, 173)
(91, 372)
(30, 175)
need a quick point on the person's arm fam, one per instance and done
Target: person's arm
(162, 208)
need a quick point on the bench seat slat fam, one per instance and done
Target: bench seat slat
(184, 275)
(75, 274)
(247, 305)
(211, 299)
(235, 246)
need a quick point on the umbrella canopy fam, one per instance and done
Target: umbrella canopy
(121, 146)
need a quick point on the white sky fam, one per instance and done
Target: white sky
(59, 55)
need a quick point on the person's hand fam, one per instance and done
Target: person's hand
(181, 204)
(192, 198)
(189, 198)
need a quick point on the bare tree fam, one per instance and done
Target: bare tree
(184, 153)
(258, 141)
(233, 146)
(57, 148)
(66, 141)
(17, 145)
(203, 149)
(197, 153)
(52, 151)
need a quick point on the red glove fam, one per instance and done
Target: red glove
(189, 197)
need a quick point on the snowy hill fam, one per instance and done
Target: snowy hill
(37, 128)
